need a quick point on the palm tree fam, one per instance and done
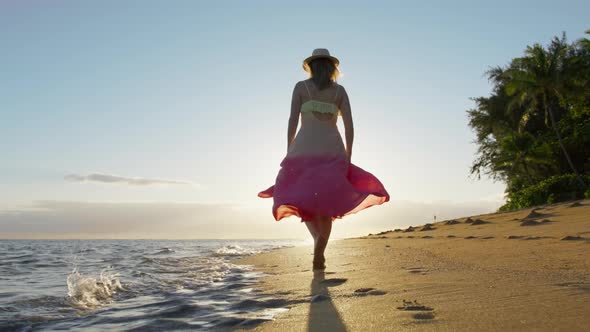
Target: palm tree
(537, 80)
(582, 69)
(489, 122)
(523, 154)
(585, 42)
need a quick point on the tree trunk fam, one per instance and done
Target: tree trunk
(567, 156)
(521, 155)
(526, 170)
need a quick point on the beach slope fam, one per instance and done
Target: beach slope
(522, 270)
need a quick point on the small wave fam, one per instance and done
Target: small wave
(234, 250)
(87, 292)
(146, 285)
(164, 251)
(145, 259)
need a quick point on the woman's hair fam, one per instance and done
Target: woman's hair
(323, 72)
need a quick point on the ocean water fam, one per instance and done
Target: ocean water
(132, 285)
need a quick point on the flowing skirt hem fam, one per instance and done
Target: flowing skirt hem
(307, 188)
(286, 210)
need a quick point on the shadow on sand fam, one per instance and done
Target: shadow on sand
(323, 315)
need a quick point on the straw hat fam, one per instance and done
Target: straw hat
(319, 53)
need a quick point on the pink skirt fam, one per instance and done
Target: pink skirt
(326, 186)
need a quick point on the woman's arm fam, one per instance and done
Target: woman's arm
(344, 105)
(294, 117)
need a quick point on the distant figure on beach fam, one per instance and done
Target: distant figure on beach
(317, 182)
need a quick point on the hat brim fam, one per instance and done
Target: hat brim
(313, 57)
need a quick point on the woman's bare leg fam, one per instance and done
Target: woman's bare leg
(313, 230)
(324, 228)
(312, 226)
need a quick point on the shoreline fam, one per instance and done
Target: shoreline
(520, 270)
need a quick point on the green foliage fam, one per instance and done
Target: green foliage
(555, 189)
(535, 125)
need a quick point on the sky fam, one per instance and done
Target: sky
(164, 119)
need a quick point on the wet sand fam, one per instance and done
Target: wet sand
(522, 270)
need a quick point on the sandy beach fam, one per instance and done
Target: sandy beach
(521, 270)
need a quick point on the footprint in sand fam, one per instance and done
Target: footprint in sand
(470, 237)
(364, 290)
(581, 286)
(427, 227)
(385, 232)
(515, 237)
(529, 223)
(413, 306)
(451, 222)
(572, 238)
(416, 270)
(535, 214)
(333, 281)
(534, 222)
(427, 237)
(451, 236)
(487, 237)
(377, 292)
(479, 222)
(423, 315)
(368, 291)
(424, 312)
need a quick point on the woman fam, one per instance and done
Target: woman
(317, 182)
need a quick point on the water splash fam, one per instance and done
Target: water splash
(86, 292)
(196, 281)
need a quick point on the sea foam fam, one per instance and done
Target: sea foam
(234, 250)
